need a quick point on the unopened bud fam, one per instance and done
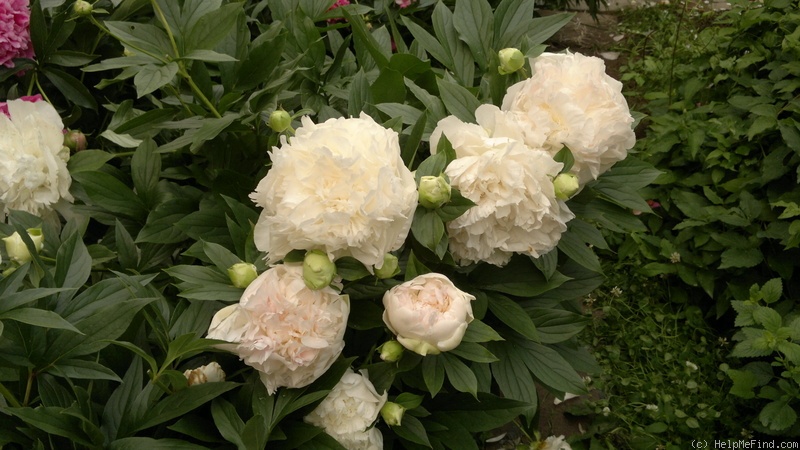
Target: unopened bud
(75, 140)
(390, 267)
(511, 60)
(82, 8)
(391, 351)
(318, 270)
(566, 185)
(392, 413)
(280, 121)
(242, 274)
(433, 191)
(16, 248)
(210, 373)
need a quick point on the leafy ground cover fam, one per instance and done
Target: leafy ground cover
(710, 304)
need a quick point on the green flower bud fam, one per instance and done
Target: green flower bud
(433, 191)
(242, 274)
(391, 351)
(511, 60)
(82, 8)
(16, 248)
(280, 120)
(390, 267)
(392, 413)
(75, 140)
(318, 270)
(566, 185)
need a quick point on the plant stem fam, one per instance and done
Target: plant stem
(28, 387)
(198, 92)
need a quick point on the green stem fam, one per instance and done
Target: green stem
(9, 396)
(31, 84)
(198, 92)
(41, 91)
(28, 388)
(163, 20)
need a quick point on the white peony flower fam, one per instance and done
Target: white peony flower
(340, 187)
(428, 314)
(571, 101)
(554, 443)
(210, 373)
(33, 159)
(516, 206)
(286, 331)
(348, 412)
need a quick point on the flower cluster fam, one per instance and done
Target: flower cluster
(15, 36)
(34, 175)
(505, 164)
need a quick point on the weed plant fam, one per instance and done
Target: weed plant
(661, 384)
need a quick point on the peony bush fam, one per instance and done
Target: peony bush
(295, 224)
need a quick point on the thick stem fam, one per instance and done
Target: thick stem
(28, 387)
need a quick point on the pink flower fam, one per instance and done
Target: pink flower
(24, 98)
(653, 204)
(404, 3)
(335, 5)
(15, 36)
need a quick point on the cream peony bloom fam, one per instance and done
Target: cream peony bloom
(340, 187)
(553, 443)
(348, 412)
(33, 172)
(571, 101)
(210, 373)
(428, 314)
(287, 332)
(511, 184)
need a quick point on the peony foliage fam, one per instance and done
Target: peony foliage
(167, 303)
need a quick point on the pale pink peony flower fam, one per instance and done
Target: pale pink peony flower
(33, 173)
(287, 332)
(516, 209)
(429, 313)
(340, 187)
(570, 101)
(348, 412)
(24, 98)
(15, 36)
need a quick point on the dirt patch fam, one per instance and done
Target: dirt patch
(589, 37)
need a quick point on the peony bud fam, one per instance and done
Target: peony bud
(75, 140)
(242, 274)
(16, 248)
(391, 351)
(318, 270)
(566, 185)
(82, 8)
(433, 191)
(390, 267)
(280, 121)
(210, 373)
(511, 60)
(392, 413)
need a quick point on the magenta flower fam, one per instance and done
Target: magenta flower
(404, 3)
(335, 5)
(15, 36)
